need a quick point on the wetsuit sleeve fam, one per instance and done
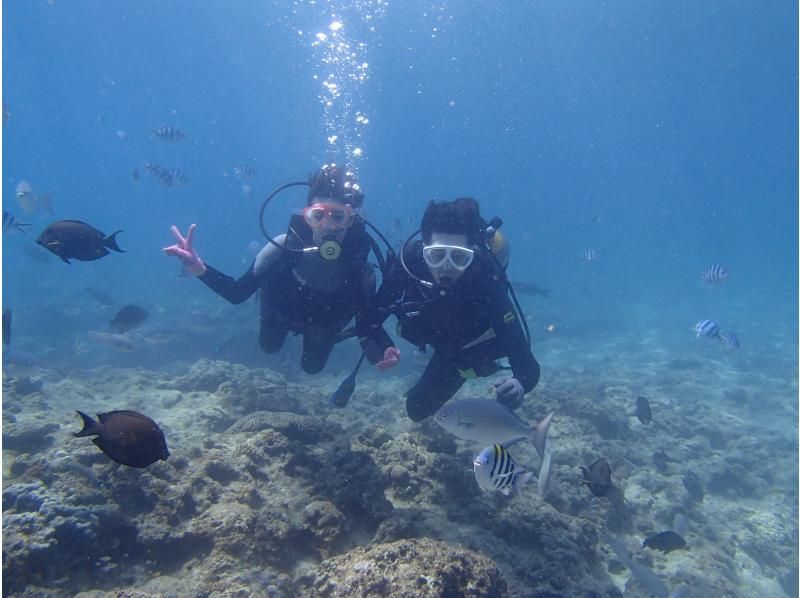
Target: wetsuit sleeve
(235, 291)
(369, 324)
(510, 336)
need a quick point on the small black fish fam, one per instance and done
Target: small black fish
(342, 394)
(7, 326)
(73, 239)
(128, 318)
(127, 437)
(598, 477)
(666, 541)
(168, 134)
(643, 413)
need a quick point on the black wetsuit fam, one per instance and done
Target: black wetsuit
(304, 294)
(469, 327)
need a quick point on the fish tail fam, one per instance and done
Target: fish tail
(540, 434)
(111, 242)
(89, 426)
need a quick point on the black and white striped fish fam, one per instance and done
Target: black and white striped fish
(707, 328)
(731, 341)
(9, 222)
(245, 172)
(589, 255)
(159, 173)
(178, 176)
(168, 134)
(715, 274)
(496, 470)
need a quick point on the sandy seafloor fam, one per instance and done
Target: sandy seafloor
(269, 491)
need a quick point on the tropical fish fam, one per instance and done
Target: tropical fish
(119, 342)
(715, 274)
(73, 239)
(643, 412)
(731, 341)
(10, 222)
(707, 328)
(495, 469)
(342, 394)
(127, 437)
(168, 134)
(31, 202)
(177, 176)
(159, 173)
(589, 255)
(128, 318)
(665, 541)
(680, 525)
(645, 576)
(487, 422)
(245, 172)
(597, 477)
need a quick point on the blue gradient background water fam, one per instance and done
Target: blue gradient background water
(675, 122)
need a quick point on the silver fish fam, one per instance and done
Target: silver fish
(489, 422)
(589, 255)
(31, 202)
(543, 483)
(495, 469)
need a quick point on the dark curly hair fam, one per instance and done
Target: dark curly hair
(462, 216)
(335, 184)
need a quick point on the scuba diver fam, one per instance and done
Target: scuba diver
(449, 290)
(313, 279)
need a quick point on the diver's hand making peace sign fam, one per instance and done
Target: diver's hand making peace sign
(185, 252)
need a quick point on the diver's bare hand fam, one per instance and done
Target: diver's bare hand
(185, 252)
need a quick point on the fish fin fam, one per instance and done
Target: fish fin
(512, 442)
(540, 434)
(543, 481)
(89, 426)
(111, 242)
(65, 259)
(505, 491)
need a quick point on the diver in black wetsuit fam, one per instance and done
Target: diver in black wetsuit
(450, 292)
(313, 292)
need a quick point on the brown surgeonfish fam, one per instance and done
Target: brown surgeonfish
(598, 477)
(127, 437)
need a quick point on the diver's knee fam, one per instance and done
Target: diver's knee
(312, 366)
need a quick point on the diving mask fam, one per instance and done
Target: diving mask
(459, 258)
(328, 215)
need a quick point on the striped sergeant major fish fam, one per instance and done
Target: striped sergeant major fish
(245, 172)
(731, 341)
(707, 328)
(159, 173)
(715, 274)
(589, 255)
(168, 134)
(495, 469)
(178, 176)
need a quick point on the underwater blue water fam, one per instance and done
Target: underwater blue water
(663, 135)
